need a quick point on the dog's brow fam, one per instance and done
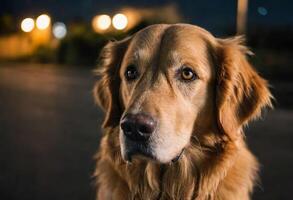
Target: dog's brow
(174, 55)
(174, 58)
(139, 54)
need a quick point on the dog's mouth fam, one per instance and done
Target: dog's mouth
(137, 149)
(143, 151)
(178, 156)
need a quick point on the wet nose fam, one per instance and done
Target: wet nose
(138, 127)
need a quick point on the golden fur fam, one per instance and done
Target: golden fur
(216, 164)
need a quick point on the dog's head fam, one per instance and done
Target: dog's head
(169, 83)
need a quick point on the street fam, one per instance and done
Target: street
(50, 129)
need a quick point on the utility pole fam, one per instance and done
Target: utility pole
(241, 16)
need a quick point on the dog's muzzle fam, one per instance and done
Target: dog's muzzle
(137, 130)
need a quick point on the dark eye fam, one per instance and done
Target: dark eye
(131, 73)
(187, 74)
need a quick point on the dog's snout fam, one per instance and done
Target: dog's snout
(138, 127)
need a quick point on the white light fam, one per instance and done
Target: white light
(101, 22)
(27, 25)
(43, 22)
(59, 30)
(120, 21)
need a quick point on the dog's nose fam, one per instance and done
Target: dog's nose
(138, 127)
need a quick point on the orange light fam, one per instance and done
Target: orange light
(120, 21)
(101, 22)
(43, 21)
(27, 25)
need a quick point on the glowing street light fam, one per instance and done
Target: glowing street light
(43, 21)
(101, 22)
(27, 25)
(120, 21)
(242, 6)
(59, 30)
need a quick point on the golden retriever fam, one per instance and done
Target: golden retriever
(176, 99)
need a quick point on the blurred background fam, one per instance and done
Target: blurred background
(49, 125)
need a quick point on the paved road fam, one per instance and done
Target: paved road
(49, 133)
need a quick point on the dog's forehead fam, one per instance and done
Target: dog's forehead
(171, 40)
(146, 41)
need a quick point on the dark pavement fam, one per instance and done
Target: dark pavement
(49, 132)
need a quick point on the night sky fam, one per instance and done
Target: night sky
(213, 15)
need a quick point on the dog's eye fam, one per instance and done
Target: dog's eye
(131, 73)
(187, 74)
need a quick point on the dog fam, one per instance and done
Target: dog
(176, 100)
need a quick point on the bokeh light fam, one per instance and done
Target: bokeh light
(59, 30)
(120, 21)
(101, 22)
(262, 11)
(43, 21)
(27, 25)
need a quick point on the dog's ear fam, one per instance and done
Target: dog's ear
(107, 89)
(241, 93)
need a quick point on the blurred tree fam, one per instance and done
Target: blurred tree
(7, 24)
(80, 47)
